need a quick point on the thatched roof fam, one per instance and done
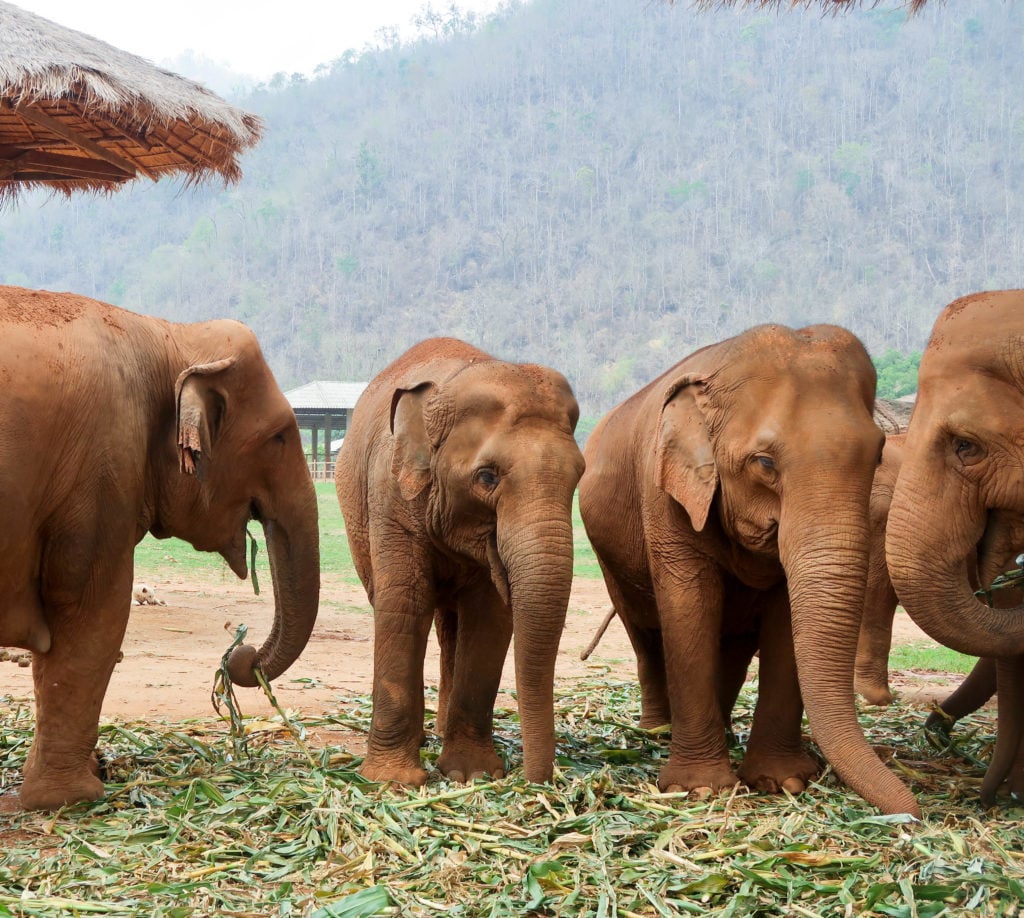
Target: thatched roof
(77, 113)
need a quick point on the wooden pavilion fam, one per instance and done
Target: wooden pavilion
(324, 406)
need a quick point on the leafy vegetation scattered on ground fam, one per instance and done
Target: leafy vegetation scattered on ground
(290, 828)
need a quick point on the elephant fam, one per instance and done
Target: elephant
(727, 503)
(960, 496)
(112, 425)
(871, 669)
(456, 481)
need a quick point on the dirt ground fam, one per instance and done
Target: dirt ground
(171, 651)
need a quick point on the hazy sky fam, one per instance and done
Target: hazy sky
(254, 37)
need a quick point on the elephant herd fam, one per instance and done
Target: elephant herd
(741, 503)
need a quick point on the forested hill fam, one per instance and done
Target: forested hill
(600, 185)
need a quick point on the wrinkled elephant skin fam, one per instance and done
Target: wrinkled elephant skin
(456, 481)
(113, 425)
(727, 503)
(960, 497)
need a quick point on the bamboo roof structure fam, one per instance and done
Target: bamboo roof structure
(77, 113)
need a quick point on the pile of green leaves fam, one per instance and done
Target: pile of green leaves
(194, 825)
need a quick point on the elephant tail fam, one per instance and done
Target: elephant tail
(596, 639)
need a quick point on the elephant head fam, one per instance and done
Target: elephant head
(492, 446)
(960, 496)
(231, 453)
(960, 492)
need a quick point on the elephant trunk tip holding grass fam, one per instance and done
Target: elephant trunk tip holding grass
(727, 502)
(456, 482)
(113, 425)
(959, 499)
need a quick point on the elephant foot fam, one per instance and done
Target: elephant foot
(42, 791)
(382, 772)
(74, 779)
(702, 779)
(873, 692)
(467, 763)
(775, 774)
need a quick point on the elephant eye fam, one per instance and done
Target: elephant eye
(488, 477)
(765, 462)
(967, 451)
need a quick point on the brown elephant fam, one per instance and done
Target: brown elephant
(727, 503)
(960, 496)
(871, 671)
(113, 425)
(456, 482)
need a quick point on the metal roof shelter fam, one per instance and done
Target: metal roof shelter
(324, 405)
(77, 113)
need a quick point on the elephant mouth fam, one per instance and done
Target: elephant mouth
(758, 537)
(499, 573)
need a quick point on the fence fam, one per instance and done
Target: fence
(321, 470)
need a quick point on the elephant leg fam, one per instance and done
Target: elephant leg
(871, 669)
(1005, 772)
(776, 759)
(635, 613)
(691, 617)
(977, 687)
(70, 681)
(446, 627)
(737, 652)
(404, 602)
(396, 727)
(484, 633)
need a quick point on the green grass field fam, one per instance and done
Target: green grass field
(929, 657)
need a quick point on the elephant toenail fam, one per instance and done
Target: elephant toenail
(794, 785)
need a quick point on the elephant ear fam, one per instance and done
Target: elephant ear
(200, 407)
(410, 461)
(685, 459)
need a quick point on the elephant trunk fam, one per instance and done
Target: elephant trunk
(929, 552)
(293, 547)
(826, 568)
(538, 561)
(1009, 729)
